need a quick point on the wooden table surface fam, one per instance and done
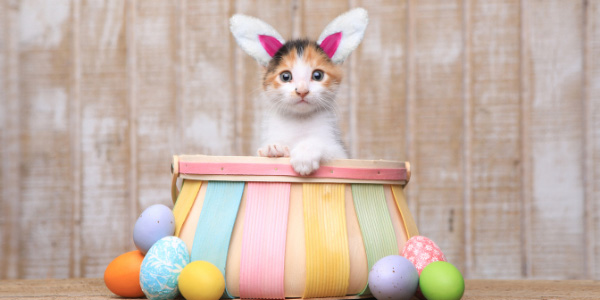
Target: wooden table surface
(93, 288)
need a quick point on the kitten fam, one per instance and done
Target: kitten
(300, 82)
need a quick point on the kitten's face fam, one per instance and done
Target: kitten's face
(301, 79)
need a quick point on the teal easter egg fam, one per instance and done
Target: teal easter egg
(441, 280)
(161, 267)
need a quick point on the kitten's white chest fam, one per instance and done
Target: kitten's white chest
(308, 141)
(290, 131)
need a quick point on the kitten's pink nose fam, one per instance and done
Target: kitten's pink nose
(302, 92)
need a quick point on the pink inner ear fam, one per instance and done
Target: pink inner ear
(270, 44)
(331, 43)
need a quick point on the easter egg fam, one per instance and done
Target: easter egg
(161, 268)
(441, 280)
(422, 251)
(122, 275)
(155, 222)
(201, 280)
(393, 278)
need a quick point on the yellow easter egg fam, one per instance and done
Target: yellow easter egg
(201, 280)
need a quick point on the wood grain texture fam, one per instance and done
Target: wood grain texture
(10, 140)
(494, 85)
(5, 222)
(438, 125)
(105, 134)
(94, 289)
(555, 132)
(74, 123)
(592, 138)
(411, 191)
(44, 58)
(378, 82)
(207, 109)
(155, 28)
(531, 289)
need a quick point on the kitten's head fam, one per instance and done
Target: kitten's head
(301, 76)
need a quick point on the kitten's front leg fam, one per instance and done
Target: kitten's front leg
(306, 157)
(274, 150)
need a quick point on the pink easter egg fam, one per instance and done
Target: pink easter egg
(422, 251)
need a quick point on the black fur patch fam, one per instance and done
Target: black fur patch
(299, 45)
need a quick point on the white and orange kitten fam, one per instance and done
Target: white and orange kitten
(300, 82)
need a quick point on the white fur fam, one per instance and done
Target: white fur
(303, 128)
(246, 30)
(310, 140)
(352, 25)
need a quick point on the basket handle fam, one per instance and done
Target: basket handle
(175, 172)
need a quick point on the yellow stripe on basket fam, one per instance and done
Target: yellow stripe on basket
(407, 218)
(185, 200)
(327, 254)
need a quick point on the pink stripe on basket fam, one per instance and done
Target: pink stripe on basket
(263, 242)
(204, 168)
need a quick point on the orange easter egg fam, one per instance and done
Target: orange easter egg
(122, 276)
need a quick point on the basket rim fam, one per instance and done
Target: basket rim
(251, 168)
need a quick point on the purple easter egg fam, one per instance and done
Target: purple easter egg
(393, 278)
(155, 223)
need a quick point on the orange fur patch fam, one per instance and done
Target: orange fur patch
(318, 60)
(287, 63)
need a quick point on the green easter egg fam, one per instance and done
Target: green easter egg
(441, 280)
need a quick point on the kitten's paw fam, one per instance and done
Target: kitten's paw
(274, 150)
(305, 163)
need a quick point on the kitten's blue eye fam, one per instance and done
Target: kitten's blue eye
(318, 75)
(285, 76)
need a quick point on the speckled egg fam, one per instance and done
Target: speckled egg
(161, 267)
(155, 222)
(393, 278)
(422, 251)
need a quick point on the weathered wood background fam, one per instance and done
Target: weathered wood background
(495, 103)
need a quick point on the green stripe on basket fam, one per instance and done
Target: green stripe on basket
(375, 223)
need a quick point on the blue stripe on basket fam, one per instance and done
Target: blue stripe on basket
(215, 225)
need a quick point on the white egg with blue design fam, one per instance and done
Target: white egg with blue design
(161, 267)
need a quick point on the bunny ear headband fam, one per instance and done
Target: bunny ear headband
(338, 39)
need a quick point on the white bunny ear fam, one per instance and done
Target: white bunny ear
(256, 37)
(344, 34)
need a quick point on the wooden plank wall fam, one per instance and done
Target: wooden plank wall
(495, 103)
(592, 137)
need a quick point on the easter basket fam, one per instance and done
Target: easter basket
(275, 234)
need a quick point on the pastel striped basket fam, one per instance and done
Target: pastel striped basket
(275, 234)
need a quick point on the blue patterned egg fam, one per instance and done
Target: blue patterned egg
(161, 267)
